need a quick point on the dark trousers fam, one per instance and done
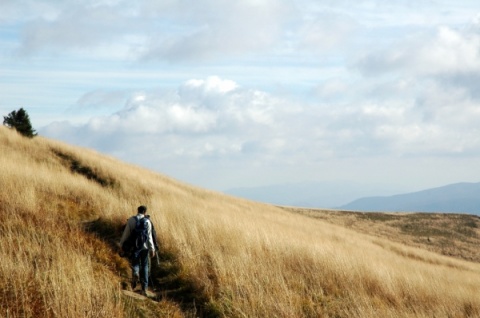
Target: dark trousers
(140, 266)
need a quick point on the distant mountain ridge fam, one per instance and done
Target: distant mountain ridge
(327, 194)
(455, 198)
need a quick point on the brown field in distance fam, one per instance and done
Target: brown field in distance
(450, 234)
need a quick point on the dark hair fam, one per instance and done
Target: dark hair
(142, 209)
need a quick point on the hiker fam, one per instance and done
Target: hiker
(138, 242)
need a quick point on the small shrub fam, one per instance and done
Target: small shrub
(20, 121)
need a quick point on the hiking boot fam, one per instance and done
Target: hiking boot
(145, 292)
(134, 281)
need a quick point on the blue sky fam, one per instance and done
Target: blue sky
(225, 94)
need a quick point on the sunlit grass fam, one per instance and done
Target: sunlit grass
(233, 257)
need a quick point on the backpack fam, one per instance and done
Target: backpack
(138, 237)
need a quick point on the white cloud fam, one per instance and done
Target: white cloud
(213, 117)
(322, 31)
(82, 29)
(101, 99)
(332, 88)
(212, 106)
(446, 52)
(428, 79)
(172, 30)
(206, 29)
(179, 30)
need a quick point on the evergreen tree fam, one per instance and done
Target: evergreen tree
(20, 121)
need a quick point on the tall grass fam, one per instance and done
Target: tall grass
(240, 258)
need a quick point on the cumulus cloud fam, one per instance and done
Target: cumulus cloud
(429, 77)
(212, 115)
(217, 118)
(212, 105)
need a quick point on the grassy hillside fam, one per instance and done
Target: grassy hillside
(62, 209)
(449, 234)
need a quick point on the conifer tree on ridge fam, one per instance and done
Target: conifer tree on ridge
(20, 121)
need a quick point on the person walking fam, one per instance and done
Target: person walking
(137, 235)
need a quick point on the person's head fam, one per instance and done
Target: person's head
(142, 209)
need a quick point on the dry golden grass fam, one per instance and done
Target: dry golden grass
(61, 208)
(449, 234)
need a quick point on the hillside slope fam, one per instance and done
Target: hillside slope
(459, 197)
(62, 209)
(450, 234)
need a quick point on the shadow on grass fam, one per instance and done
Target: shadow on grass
(77, 167)
(168, 280)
